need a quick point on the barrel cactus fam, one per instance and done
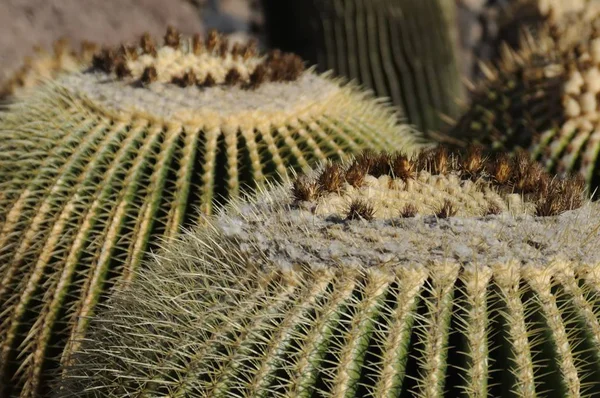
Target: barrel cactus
(387, 276)
(43, 66)
(543, 98)
(97, 167)
(402, 49)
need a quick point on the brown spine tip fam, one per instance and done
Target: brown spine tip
(105, 60)
(250, 50)
(284, 67)
(209, 81)
(212, 41)
(61, 47)
(147, 44)
(402, 167)
(355, 175)
(149, 75)
(237, 51)
(446, 210)
(122, 70)
(331, 178)
(440, 161)
(409, 211)
(188, 79)
(197, 44)
(501, 169)
(258, 76)
(87, 51)
(223, 47)
(472, 164)
(360, 210)
(172, 38)
(233, 77)
(129, 52)
(303, 190)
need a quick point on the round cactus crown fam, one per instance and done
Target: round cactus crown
(437, 182)
(282, 297)
(197, 62)
(191, 79)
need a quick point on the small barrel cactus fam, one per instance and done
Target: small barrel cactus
(543, 98)
(98, 167)
(402, 49)
(387, 276)
(43, 66)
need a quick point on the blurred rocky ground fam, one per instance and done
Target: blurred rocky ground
(25, 24)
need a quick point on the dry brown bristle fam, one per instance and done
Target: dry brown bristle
(304, 190)
(360, 210)
(147, 44)
(197, 44)
(409, 211)
(331, 178)
(149, 75)
(129, 52)
(212, 41)
(284, 67)
(233, 77)
(447, 210)
(61, 46)
(381, 165)
(355, 175)
(237, 50)
(402, 167)
(172, 37)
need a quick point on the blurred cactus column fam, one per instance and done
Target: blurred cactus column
(402, 49)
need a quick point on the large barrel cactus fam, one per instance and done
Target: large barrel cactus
(387, 276)
(403, 49)
(97, 167)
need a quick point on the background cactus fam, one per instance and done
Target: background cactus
(403, 49)
(346, 283)
(98, 167)
(44, 66)
(543, 97)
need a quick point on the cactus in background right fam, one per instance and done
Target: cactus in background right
(543, 97)
(436, 276)
(402, 49)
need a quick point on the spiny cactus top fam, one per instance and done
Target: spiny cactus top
(543, 97)
(402, 49)
(387, 277)
(43, 66)
(98, 166)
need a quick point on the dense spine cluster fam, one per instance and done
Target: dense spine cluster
(278, 297)
(96, 169)
(402, 49)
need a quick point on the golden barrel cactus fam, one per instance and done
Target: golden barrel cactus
(97, 167)
(388, 276)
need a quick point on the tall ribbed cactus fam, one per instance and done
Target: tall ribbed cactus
(387, 277)
(98, 167)
(543, 97)
(403, 49)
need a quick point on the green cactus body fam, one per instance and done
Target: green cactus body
(98, 167)
(543, 98)
(402, 49)
(336, 289)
